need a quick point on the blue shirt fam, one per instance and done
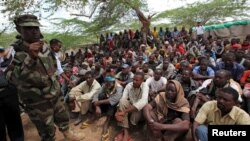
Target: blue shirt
(210, 71)
(236, 71)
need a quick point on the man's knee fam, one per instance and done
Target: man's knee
(85, 106)
(136, 117)
(123, 104)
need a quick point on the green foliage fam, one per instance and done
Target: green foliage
(205, 12)
(103, 13)
(68, 39)
(113, 16)
(7, 39)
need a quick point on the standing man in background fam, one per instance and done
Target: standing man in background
(55, 46)
(200, 30)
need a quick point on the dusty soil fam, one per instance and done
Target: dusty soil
(92, 133)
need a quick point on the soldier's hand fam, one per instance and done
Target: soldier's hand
(35, 48)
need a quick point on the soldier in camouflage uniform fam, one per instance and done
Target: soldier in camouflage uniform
(33, 71)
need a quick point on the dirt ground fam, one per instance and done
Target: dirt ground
(92, 133)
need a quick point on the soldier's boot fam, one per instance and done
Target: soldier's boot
(71, 136)
(79, 119)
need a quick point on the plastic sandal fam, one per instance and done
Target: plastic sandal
(85, 125)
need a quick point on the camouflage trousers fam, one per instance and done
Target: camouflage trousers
(46, 114)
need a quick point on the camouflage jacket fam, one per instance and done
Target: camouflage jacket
(36, 80)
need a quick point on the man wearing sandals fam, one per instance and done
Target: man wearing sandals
(105, 103)
(83, 94)
(134, 98)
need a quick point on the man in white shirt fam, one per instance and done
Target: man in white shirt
(156, 84)
(55, 46)
(134, 98)
(82, 95)
(200, 30)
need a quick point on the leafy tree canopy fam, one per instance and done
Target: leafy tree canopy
(115, 15)
(102, 14)
(208, 12)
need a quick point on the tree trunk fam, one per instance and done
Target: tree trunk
(145, 24)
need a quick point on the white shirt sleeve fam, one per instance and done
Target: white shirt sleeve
(59, 66)
(204, 84)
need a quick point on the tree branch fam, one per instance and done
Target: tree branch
(91, 14)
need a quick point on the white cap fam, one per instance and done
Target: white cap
(166, 42)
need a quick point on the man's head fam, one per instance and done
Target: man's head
(28, 27)
(138, 79)
(228, 59)
(165, 63)
(125, 68)
(151, 58)
(89, 76)
(143, 47)
(145, 67)
(98, 66)
(109, 82)
(204, 64)
(55, 45)
(186, 75)
(221, 78)
(184, 64)
(140, 58)
(226, 99)
(157, 74)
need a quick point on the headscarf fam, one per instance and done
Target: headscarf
(162, 103)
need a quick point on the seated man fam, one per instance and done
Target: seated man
(152, 63)
(147, 71)
(203, 71)
(168, 115)
(207, 90)
(187, 83)
(125, 76)
(83, 94)
(167, 68)
(228, 63)
(134, 98)
(223, 111)
(156, 84)
(105, 103)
